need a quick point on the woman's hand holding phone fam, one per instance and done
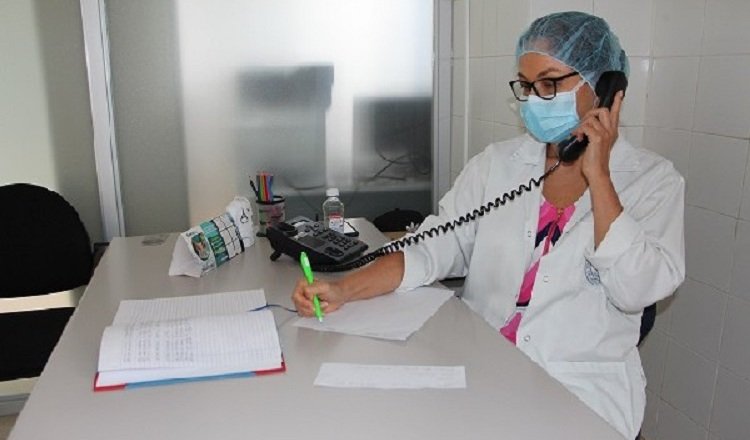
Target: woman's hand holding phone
(600, 125)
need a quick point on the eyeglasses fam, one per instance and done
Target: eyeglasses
(545, 88)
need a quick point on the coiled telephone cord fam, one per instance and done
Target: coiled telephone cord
(439, 229)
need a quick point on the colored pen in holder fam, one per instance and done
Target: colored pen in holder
(271, 209)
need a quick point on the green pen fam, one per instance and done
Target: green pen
(305, 263)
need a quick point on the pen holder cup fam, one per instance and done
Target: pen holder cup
(270, 213)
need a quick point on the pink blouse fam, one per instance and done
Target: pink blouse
(551, 223)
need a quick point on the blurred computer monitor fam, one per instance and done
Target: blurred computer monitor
(282, 126)
(392, 139)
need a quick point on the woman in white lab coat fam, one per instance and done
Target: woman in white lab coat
(563, 272)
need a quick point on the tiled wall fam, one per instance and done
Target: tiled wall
(689, 100)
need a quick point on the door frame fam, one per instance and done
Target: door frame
(96, 45)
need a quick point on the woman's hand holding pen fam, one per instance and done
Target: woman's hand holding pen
(377, 278)
(330, 294)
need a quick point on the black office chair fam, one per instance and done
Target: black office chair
(647, 321)
(44, 249)
(397, 220)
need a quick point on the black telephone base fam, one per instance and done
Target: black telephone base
(275, 255)
(323, 246)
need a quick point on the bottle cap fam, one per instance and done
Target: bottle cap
(332, 192)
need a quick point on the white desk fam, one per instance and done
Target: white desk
(507, 397)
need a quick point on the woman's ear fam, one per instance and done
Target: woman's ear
(586, 100)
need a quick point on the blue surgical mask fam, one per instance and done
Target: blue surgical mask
(551, 121)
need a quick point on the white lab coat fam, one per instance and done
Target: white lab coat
(583, 322)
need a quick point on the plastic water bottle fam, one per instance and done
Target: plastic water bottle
(333, 211)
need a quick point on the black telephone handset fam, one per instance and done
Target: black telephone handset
(607, 87)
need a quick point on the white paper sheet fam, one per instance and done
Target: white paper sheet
(394, 316)
(343, 375)
(181, 307)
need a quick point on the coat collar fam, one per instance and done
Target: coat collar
(624, 165)
(624, 156)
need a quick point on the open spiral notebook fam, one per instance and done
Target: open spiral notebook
(171, 340)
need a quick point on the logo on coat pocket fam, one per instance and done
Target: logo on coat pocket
(592, 274)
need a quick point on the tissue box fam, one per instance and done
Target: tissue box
(214, 242)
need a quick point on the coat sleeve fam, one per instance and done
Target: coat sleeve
(642, 257)
(448, 254)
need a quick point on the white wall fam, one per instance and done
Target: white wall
(688, 100)
(45, 120)
(25, 147)
(698, 361)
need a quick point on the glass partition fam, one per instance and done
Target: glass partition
(320, 93)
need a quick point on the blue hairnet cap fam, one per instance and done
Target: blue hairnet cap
(582, 41)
